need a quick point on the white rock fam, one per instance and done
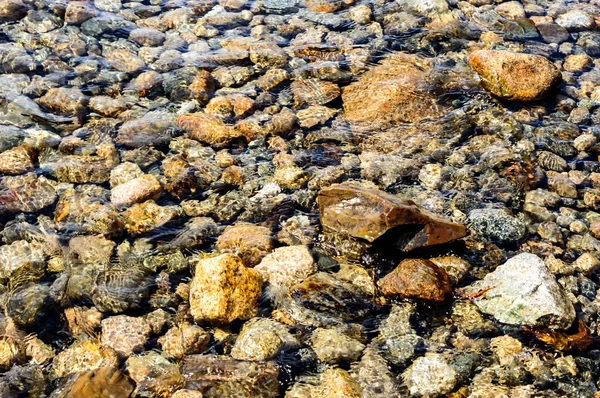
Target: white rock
(430, 376)
(287, 266)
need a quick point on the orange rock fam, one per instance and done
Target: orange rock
(418, 279)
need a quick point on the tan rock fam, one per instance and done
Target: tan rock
(396, 91)
(154, 375)
(183, 340)
(208, 128)
(125, 334)
(124, 61)
(369, 213)
(135, 191)
(203, 86)
(314, 92)
(418, 279)
(17, 160)
(577, 62)
(250, 242)
(143, 217)
(100, 382)
(515, 76)
(147, 82)
(287, 266)
(337, 383)
(82, 356)
(68, 101)
(224, 290)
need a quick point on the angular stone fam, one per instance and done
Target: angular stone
(261, 339)
(224, 290)
(17, 160)
(515, 76)
(27, 193)
(217, 377)
(430, 376)
(418, 279)
(124, 61)
(523, 291)
(369, 213)
(183, 340)
(143, 217)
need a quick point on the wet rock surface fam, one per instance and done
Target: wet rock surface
(282, 198)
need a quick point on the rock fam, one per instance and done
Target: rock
(223, 290)
(92, 249)
(21, 256)
(182, 340)
(144, 217)
(575, 20)
(83, 320)
(373, 375)
(120, 287)
(577, 62)
(27, 193)
(125, 334)
(313, 92)
(124, 61)
(147, 37)
(418, 279)
(399, 342)
(124, 172)
(137, 190)
(337, 383)
(426, 8)
(17, 160)
(152, 129)
(514, 76)
(78, 12)
(524, 292)
(331, 346)
(208, 128)
(219, 376)
(154, 375)
(100, 382)
(456, 268)
(496, 225)
(430, 376)
(369, 213)
(66, 101)
(12, 10)
(469, 321)
(287, 266)
(185, 393)
(553, 33)
(147, 83)
(203, 86)
(323, 300)
(10, 353)
(261, 339)
(250, 242)
(396, 91)
(83, 356)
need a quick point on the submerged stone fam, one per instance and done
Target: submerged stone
(418, 279)
(523, 291)
(370, 213)
(515, 76)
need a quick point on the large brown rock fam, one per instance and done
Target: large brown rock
(101, 382)
(396, 91)
(208, 128)
(250, 242)
(224, 290)
(418, 279)
(514, 76)
(369, 213)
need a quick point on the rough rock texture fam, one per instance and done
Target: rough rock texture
(83, 356)
(369, 213)
(100, 382)
(418, 279)
(154, 375)
(184, 340)
(430, 376)
(524, 292)
(217, 377)
(135, 191)
(250, 242)
(261, 339)
(223, 290)
(397, 90)
(514, 76)
(125, 334)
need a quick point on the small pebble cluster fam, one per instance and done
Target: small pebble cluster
(299, 198)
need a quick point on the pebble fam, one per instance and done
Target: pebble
(430, 376)
(182, 340)
(332, 346)
(575, 20)
(125, 334)
(136, 190)
(153, 374)
(287, 266)
(250, 242)
(261, 339)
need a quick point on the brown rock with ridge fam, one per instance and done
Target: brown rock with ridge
(417, 279)
(515, 76)
(398, 90)
(368, 214)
